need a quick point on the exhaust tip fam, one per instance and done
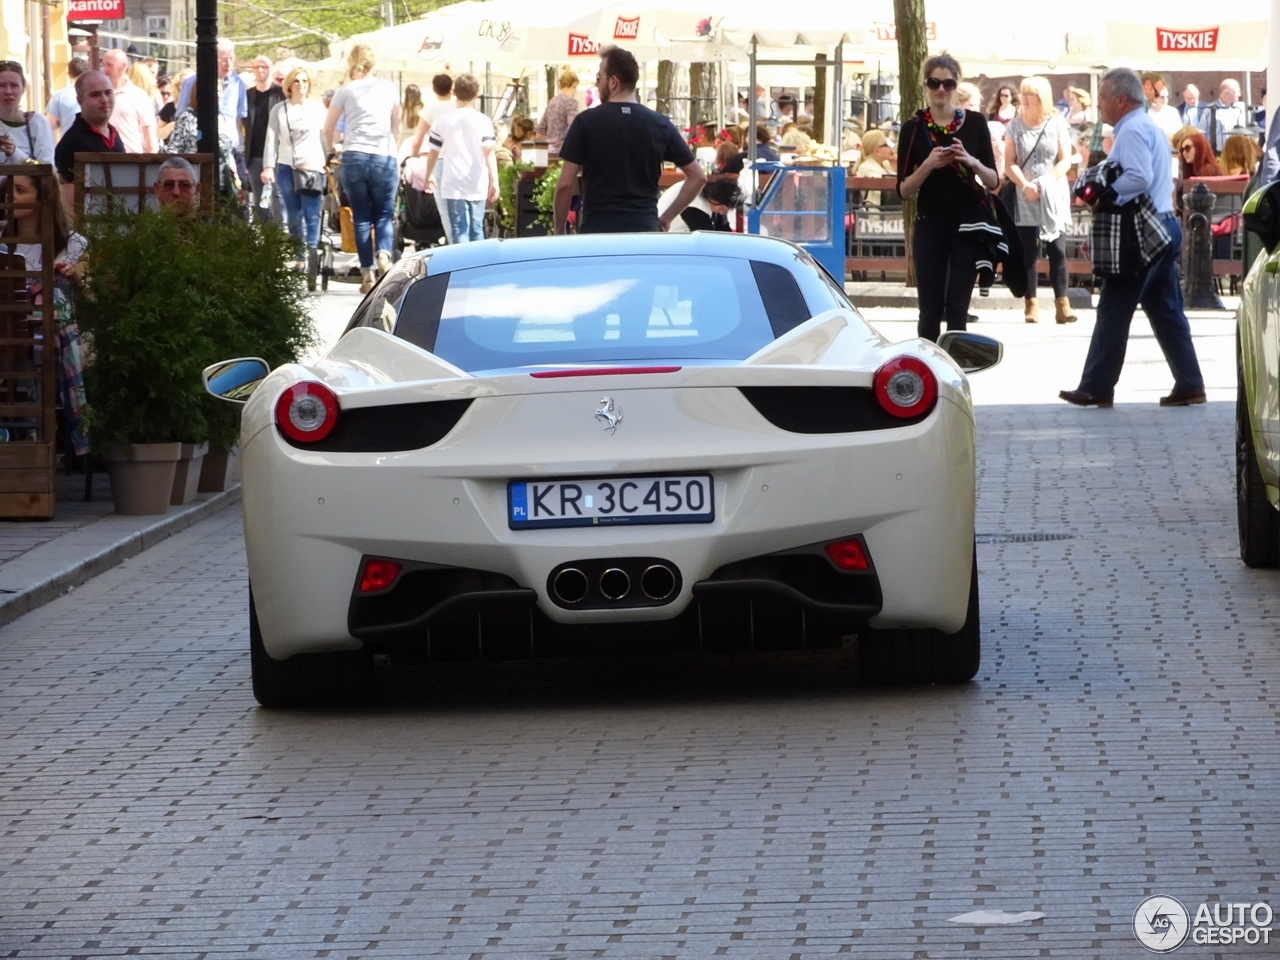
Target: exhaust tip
(570, 585)
(658, 582)
(615, 583)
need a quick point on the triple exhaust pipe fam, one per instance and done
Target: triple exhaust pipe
(571, 585)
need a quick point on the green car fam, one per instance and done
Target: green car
(1258, 387)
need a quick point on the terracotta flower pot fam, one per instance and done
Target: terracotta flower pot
(142, 476)
(186, 477)
(220, 468)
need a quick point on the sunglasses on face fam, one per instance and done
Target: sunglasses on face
(933, 83)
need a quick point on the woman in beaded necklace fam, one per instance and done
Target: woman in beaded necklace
(945, 159)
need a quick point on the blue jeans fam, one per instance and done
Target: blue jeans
(466, 220)
(370, 181)
(302, 209)
(1159, 292)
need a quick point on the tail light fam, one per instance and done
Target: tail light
(848, 554)
(378, 575)
(905, 387)
(307, 412)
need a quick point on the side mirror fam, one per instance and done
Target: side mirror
(971, 351)
(1261, 215)
(235, 380)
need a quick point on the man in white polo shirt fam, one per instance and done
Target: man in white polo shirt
(135, 115)
(469, 169)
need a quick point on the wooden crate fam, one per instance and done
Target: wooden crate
(28, 358)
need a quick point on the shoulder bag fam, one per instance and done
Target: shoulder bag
(304, 181)
(1009, 191)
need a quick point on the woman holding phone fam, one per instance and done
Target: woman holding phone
(945, 160)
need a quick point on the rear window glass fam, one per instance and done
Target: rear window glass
(595, 309)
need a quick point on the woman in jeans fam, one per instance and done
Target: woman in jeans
(371, 110)
(944, 159)
(293, 143)
(1037, 156)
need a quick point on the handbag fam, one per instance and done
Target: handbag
(1008, 192)
(304, 181)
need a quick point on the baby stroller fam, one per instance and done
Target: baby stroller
(417, 216)
(337, 232)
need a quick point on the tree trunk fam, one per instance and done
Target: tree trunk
(913, 50)
(666, 86)
(703, 91)
(820, 101)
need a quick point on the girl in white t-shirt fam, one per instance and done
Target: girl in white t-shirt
(24, 135)
(371, 110)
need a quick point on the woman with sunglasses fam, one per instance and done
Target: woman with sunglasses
(24, 134)
(1004, 105)
(945, 159)
(1196, 157)
(294, 143)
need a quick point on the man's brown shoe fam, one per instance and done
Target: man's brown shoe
(1185, 399)
(1082, 399)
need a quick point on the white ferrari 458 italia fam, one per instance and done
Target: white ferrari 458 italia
(608, 444)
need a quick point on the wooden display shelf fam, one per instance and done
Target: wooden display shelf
(27, 480)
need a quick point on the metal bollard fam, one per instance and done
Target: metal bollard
(1199, 292)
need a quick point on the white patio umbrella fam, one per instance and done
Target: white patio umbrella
(507, 34)
(1176, 35)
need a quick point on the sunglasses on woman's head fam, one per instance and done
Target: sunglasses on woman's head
(933, 83)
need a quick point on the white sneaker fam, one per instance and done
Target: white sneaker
(384, 262)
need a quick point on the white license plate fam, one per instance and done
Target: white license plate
(609, 501)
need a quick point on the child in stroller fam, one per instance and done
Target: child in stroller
(417, 216)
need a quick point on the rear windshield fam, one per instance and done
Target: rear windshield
(600, 309)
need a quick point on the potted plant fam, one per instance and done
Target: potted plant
(167, 294)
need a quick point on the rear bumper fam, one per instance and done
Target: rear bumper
(310, 518)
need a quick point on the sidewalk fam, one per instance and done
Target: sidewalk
(42, 559)
(896, 294)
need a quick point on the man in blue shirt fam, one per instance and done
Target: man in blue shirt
(235, 99)
(1141, 150)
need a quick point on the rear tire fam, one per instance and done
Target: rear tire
(1258, 520)
(924, 656)
(307, 679)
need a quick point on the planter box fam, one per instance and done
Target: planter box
(220, 468)
(142, 476)
(186, 476)
(27, 481)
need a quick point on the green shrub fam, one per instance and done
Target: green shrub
(165, 296)
(544, 195)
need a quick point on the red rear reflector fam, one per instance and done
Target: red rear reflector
(599, 372)
(905, 387)
(307, 412)
(847, 555)
(378, 575)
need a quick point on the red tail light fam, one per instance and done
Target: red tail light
(848, 555)
(378, 575)
(905, 387)
(307, 412)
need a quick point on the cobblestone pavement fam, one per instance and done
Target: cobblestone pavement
(1119, 742)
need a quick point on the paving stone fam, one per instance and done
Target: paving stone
(1118, 743)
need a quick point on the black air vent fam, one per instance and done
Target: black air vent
(400, 426)
(823, 409)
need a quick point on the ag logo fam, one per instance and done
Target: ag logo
(1161, 924)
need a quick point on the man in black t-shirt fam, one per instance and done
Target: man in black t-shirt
(260, 98)
(91, 132)
(620, 147)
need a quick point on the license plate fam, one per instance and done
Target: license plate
(609, 501)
